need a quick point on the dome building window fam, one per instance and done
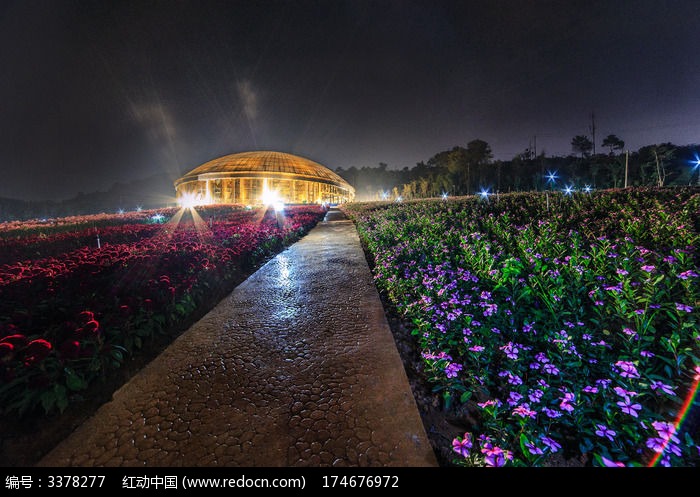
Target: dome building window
(262, 177)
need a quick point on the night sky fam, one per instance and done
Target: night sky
(99, 92)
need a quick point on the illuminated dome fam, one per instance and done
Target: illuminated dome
(262, 177)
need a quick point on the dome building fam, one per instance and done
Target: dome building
(262, 177)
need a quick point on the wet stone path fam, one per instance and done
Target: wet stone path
(296, 367)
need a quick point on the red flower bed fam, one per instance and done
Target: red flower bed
(71, 314)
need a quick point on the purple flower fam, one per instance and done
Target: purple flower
(462, 446)
(612, 464)
(628, 407)
(646, 353)
(490, 309)
(535, 396)
(683, 307)
(688, 274)
(666, 430)
(514, 398)
(496, 457)
(604, 384)
(551, 443)
(566, 406)
(491, 402)
(550, 369)
(624, 393)
(476, 348)
(629, 332)
(674, 449)
(527, 328)
(648, 269)
(441, 355)
(657, 385)
(604, 431)
(541, 358)
(511, 350)
(524, 411)
(551, 413)
(656, 444)
(533, 449)
(452, 370)
(590, 389)
(627, 369)
(622, 272)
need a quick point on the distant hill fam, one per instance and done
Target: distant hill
(153, 192)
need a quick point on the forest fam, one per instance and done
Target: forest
(471, 169)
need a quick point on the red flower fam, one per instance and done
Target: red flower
(18, 340)
(7, 352)
(91, 329)
(36, 351)
(86, 316)
(70, 349)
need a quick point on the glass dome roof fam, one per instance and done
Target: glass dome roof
(261, 162)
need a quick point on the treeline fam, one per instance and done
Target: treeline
(154, 192)
(471, 169)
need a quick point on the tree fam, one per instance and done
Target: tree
(582, 144)
(479, 154)
(655, 160)
(613, 143)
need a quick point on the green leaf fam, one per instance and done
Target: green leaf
(117, 355)
(74, 382)
(523, 447)
(465, 397)
(447, 397)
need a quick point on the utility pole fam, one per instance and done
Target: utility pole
(627, 160)
(592, 128)
(535, 147)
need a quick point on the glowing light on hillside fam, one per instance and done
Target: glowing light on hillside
(696, 167)
(587, 188)
(568, 190)
(551, 176)
(444, 195)
(484, 193)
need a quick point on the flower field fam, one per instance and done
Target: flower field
(79, 296)
(552, 326)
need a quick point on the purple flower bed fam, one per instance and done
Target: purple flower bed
(560, 327)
